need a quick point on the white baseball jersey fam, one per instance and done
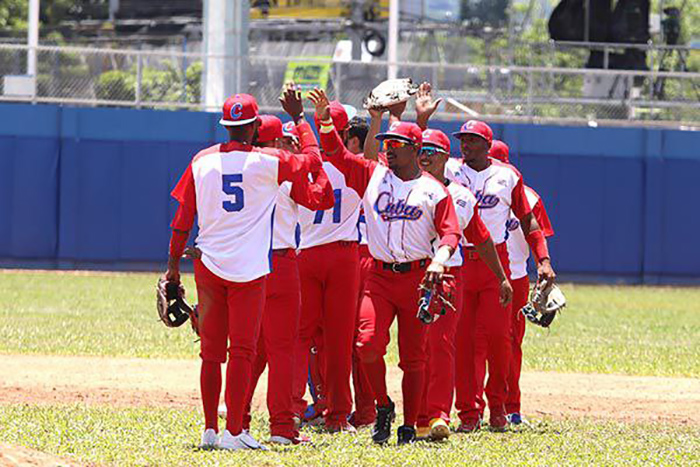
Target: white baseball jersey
(464, 202)
(498, 190)
(336, 224)
(401, 215)
(286, 213)
(362, 228)
(518, 249)
(234, 188)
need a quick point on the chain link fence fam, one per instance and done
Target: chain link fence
(174, 80)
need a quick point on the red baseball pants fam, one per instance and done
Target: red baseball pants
(390, 295)
(439, 382)
(278, 336)
(483, 334)
(230, 314)
(365, 410)
(330, 277)
(521, 290)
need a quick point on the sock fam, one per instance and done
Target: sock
(210, 385)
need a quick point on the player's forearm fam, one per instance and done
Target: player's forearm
(316, 195)
(307, 139)
(487, 252)
(330, 140)
(371, 149)
(535, 237)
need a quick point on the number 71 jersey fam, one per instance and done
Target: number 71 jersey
(332, 225)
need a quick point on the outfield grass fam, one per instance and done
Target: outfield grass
(626, 330)
(168, 437)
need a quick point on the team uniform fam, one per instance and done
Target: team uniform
(518, 254)
(484, 328)
(278, 334)
(233, 190)
(330, 274)
(365, 411)
(403, 217)
(438, 393)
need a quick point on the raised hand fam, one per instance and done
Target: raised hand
(291, 101)
(320, 101)
(425, 105)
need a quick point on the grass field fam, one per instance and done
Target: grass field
(625, 330)
(166, 437)
(622, 330)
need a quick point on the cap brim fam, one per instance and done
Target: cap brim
(237, 122)
(462, 133)
(385, 136)
(436, 146)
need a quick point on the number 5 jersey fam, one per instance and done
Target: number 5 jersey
(233, 189)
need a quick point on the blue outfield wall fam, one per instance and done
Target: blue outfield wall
(82, 186)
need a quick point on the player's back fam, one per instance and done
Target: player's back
(336, 224)
(236, 190)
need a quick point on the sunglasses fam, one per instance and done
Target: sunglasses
(431, 151)
(396, 144)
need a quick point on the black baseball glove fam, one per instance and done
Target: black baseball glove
(173, 310)
(545, 302)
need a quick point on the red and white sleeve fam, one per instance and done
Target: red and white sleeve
(476, 232)
(356, 169)
(185, 194)
(446, 223)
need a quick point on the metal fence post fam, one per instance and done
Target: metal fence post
(139, 75)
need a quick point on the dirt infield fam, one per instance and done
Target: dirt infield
(11, 456)
(174, 383)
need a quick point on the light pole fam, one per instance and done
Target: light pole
(392, 52)
(32, 36)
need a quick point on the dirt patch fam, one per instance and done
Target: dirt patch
(11, 456)
(174, 383)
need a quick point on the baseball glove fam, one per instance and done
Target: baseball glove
(435, 301)
(173, 310)
(545, 302)
(390, 92)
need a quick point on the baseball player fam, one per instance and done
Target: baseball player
(364, 413)
(232, 188)
(518, 253)
(405, 209)
(484, 329)
(330, 274)
(438, 394)
(278, 333)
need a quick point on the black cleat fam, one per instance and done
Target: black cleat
(407, 435)
(381, 431)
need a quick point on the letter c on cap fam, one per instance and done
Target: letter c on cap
(236, 111)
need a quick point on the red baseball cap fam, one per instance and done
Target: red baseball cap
(270, 129)
(500, 151)
(403, 131)
(436, 138)
(289, 130)
(240, 109)
(475, 127)
(340, 114)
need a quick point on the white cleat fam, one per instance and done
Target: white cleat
(222, 411)
(210, 439)
(241, 441)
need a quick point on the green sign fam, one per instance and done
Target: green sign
(308, 75)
